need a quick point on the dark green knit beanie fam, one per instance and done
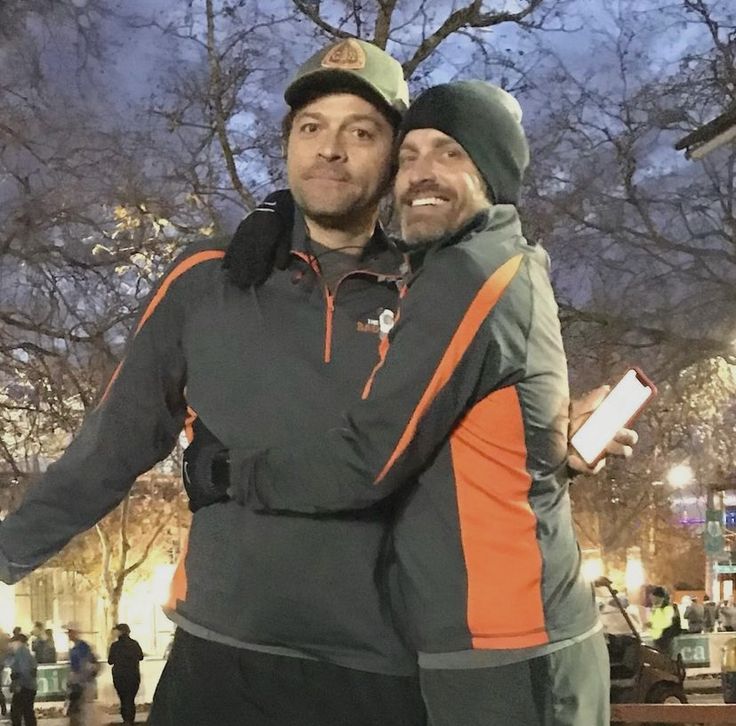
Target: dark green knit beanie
(486, 121)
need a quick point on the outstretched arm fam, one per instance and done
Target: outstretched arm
(135, 424)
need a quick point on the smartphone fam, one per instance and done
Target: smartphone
(618, 409)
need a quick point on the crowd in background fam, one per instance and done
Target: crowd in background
(22, 654)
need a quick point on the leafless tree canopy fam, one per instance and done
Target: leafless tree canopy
(129, 129)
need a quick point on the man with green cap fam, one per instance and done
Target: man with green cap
(282, 620)
(467, 419)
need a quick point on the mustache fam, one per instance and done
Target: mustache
(326, 170)
(424, 189)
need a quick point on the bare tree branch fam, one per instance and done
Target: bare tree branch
(219, 111)
(469, 16)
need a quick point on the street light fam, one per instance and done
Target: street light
(680, 476)
(161, 583)
(592, 567)
(634, 576)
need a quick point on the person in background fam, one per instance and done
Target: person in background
(125, 656)
(727, 616)
(612, 619)
(695, 616)
(23, 686)
(4, 655)
(82, 681)
(37, 632)
(664, 620)
(710, 611)
(42, 645)
(50, 647)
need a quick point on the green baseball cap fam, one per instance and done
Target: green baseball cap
(352, 65)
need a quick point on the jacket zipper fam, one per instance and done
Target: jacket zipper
(330, 296)
(330, 302)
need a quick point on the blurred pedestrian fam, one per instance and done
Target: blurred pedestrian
(125, 656)
(42, 645)
(49, 647)
(23, 685)
(4, 655)
(37, 632)
(727, 616)
(82, 682)
(695, 616)
(612, 619)
(711, 612)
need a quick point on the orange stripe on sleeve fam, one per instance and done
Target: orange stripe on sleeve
(173, 276)
(498, 528)
(168, 281)
(189, 420)
(178, 587)
(476, 313)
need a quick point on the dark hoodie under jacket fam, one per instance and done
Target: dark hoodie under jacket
(258, 367)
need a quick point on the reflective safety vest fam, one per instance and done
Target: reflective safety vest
(661, 619)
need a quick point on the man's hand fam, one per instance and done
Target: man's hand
(205, 468)
(262, 241)
(621, 445)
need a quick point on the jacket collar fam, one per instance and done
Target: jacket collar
(380, 255)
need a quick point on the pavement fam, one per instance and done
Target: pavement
(49, 714)
(64, 721)
(701, 689)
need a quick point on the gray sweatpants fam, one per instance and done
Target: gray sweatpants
(569, 687)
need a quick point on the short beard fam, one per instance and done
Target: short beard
(340, 220)
(348, 217)
(425, 238)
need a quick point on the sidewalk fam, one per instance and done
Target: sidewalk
(49, 714)
(140, 719)
(109, 720)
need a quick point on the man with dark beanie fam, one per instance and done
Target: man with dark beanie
(467, 415)
(125, 656)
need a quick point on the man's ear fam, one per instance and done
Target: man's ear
(284, 149)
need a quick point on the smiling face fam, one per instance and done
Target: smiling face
(438, 188)
(338, 158)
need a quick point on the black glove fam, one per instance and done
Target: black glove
(205, 468)
(262, 241)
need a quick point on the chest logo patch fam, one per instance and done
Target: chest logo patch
(381, 325)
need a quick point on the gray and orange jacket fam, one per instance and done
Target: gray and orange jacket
(259, 368)
(467, 415)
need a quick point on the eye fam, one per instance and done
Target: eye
(406, 157)
(308, 127)
(362, 134)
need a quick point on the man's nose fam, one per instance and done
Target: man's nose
(421, 170)
(332, 148)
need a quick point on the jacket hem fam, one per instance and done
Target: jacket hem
(351, 662)
(488, 658)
